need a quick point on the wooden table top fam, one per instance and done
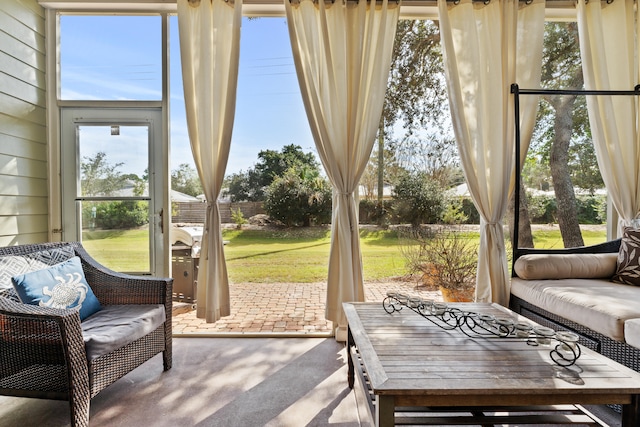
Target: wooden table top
(405, 354)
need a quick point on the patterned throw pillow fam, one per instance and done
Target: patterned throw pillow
(13, 265)
(60, 286)
(628, 265)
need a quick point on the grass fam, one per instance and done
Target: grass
(551, 239)
(120, 250)
(291, 255)
(302, 256)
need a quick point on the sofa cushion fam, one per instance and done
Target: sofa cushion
(598, 304)
(628, 268)
(566, 266)
(118, 325)
(60, 286)
(632, 332)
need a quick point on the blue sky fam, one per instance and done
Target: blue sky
(117, 58)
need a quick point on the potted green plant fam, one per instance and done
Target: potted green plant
(444, 257)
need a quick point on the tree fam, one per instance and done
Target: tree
(434, 154)
(416, 96)
(561, 148)
(416, 93)
(582, 161)
(252, 184)
(99, 177)
(272, 164)
(369, 179)
(238, 187)
(569, 127)
(185, 179)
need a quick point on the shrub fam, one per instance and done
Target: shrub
(238, 217)
(117, 214)
(470, 211)
(418, 199)
(372, 213)
(299, 199)
(592, 209)
(441, 256)
(454, 212)
(542, 209)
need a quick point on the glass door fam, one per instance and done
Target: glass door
(112, 198)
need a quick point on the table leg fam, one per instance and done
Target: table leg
(350, 369)
(631, 412)
(385, 411)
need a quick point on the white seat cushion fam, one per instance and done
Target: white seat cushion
(632, 332)
(600, 305)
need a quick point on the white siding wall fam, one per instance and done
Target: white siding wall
(23, 149)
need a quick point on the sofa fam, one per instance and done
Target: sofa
(54, 351)
(574, 289)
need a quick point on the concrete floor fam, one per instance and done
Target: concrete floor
(223, 382)
(217, 382)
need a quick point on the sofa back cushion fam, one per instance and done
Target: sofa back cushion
(566, 266)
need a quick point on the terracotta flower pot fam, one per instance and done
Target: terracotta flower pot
(457, 295)
(429, 276)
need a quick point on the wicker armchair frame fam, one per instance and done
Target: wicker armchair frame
(42, 352)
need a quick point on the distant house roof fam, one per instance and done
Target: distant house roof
(459, 191)
(387, 191)
(177, 196)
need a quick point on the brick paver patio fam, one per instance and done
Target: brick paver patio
(280, 308)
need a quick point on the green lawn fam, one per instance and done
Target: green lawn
(302, 256)
(120, 250)
(292, 255)
(553, 240)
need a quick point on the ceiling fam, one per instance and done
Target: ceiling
(410, 9)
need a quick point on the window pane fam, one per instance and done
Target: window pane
(114, 161)
(111, 58)
(116, 233)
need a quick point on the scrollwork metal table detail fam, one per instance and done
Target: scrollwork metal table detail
(565, 350)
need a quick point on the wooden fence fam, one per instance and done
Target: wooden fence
(193, 212)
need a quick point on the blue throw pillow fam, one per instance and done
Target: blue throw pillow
(60, 286)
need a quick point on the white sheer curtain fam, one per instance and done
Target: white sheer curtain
(342, 52)
(210, 45)
(482, 58)
(608, 34)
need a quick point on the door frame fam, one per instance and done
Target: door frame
(160, 203)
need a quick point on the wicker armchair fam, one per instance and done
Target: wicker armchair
(42, 352)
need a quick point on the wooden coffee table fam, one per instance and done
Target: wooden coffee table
(403, 364)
